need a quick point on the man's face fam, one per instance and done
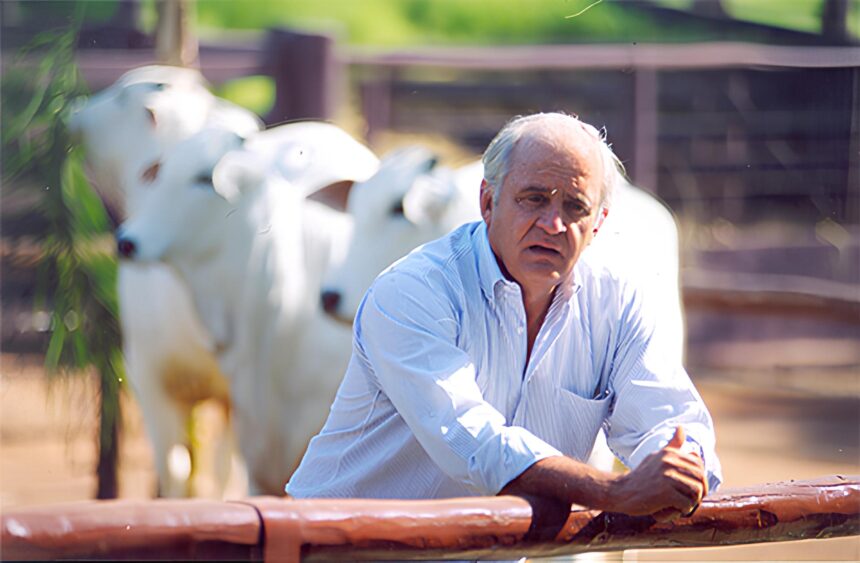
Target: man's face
(547, 209)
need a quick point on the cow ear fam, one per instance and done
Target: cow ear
(149, 175)
(150, 114)
(428, 199)
(237, 174)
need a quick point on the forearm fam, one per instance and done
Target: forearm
(667, 480)
(565, 479)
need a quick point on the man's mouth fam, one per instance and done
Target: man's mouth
(544, 251)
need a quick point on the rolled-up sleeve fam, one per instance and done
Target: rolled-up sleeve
(408, 332)
(654, 394)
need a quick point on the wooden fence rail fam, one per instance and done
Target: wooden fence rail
(771, 294)
(276, 529)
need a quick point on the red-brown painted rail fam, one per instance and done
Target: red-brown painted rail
(486, 528)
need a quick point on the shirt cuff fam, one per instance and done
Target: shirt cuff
(692, 446)
(501, 460)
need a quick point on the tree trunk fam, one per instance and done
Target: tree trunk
(107, 469)
(834, 19)
(709, 8)
(175, 43)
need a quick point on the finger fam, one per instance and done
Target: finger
(680, 501)
(691, 489)
(689, 482)
(700, 474)
(678, 439)
(678, 457)
(692, 510)
(685, 466)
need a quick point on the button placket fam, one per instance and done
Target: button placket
(510, 314)
(549, 332)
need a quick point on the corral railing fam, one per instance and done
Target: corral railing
(273, 529)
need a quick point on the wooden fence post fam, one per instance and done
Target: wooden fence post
(852, 197)
(175, 43)
(304, 69)
(645, 129)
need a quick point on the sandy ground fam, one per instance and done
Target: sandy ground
(767, 431)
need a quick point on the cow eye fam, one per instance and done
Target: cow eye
(397, 209)
(159, 86)
(205, 179)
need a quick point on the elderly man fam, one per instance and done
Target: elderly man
(487, 361)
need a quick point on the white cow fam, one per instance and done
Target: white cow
(127, 128)
(410, 201)
(253, 252)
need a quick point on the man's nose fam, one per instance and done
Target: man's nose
(551, 220)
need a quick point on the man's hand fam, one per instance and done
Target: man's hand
(668, 484)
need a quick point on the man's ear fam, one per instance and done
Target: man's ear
(601, 217)
(486, 201)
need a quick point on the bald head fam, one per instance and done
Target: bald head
(552, 131)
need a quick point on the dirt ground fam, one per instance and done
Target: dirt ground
(770, 427)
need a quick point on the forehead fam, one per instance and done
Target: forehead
(564, 158)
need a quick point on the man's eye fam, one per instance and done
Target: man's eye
(532, 201)
(574, 208)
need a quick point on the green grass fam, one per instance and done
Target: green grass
(256, 93)
(399, 23)
(433, 22)
(854, 18)
(799, 15)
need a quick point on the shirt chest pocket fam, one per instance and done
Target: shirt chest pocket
(565, 420)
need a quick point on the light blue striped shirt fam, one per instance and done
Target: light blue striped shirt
(438, 400)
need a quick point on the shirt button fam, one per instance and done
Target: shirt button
(519, 330)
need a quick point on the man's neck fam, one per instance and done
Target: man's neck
(536, 306)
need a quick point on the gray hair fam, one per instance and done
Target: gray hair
(496, 158)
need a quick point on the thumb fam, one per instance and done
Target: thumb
(678, 439)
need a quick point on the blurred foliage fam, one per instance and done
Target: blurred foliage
(803, 15)
(52, 13)
(799, 15)
(256, 93)
(417, 22)
(77, 272)
(411, 22)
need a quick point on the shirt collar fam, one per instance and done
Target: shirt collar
(490, 275)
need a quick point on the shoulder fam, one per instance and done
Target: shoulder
(442, 265)
(433, 279)
(612, 292)
(598, 282)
